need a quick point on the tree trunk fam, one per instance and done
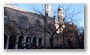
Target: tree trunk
(52, 41)
(63, 41)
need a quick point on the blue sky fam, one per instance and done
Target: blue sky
(78, 19)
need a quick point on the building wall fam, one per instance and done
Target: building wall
(32, 21)
(15, 15)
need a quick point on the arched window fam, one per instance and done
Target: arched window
(12, 42)
(34, 40)
(28, 42)
(20, 42)
(23, 21)
(40, 42)
(37, 25)
(34, 44)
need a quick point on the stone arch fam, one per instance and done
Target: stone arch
(34, 43)
(23, 21)
(28, 42)
(5, 40)
(37, 25)
(34, 40)
(12, 42)
(20, 42)
(40, 41)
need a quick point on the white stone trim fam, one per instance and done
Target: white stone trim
(17, 38)
(37, 41)
(7, 45)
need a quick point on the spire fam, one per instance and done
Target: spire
(60, 20)
(47, 10)
(60, 14)
(59, 8)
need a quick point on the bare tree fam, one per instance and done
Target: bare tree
(67, 15)
(15, 27)
(70, 16)
(49, 28)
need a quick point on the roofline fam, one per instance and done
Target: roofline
(14, 7)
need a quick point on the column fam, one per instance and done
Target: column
(7, 45)
(24, 41)
(37, 41)
(17, 38)
(31, 39)
(42, 42)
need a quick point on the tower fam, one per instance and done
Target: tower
(60, 20)
(47, 10)
(60, 15)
